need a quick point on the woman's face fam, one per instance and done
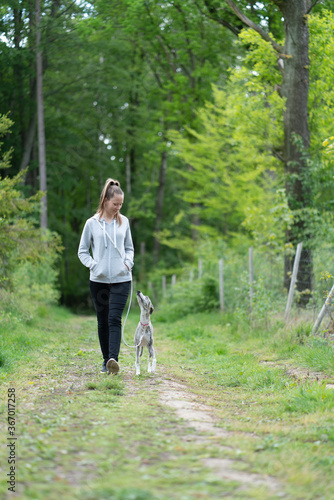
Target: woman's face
(113, 206)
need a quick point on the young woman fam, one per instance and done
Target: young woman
(108, 236)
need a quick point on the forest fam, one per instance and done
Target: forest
(216, 116)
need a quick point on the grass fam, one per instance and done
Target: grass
(19, 339)
(282, 424)
(89, 436)
(113, 385)
(85, 435)
(318, 355)
(311, 398)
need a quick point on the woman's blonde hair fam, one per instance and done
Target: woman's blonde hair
(110, 189)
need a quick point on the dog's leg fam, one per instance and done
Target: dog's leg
(151, 360)
(154, 361)
(149, 364)
(137, 360)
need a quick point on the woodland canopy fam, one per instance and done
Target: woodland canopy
(212, 114)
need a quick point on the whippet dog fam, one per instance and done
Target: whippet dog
(144, 333)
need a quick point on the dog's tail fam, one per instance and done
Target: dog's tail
(141, 351)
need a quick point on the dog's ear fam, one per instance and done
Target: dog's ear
(151, 309)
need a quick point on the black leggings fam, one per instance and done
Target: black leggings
(109, 302)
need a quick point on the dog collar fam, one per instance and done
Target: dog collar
(142, 324)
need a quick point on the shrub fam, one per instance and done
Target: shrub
(189, 297)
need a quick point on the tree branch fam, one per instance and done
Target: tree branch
(186, 29)
(152, 66)
(313, 5)
(254, 26)
(278, 155)
(278, 3)
(160, 40)
(224, 23)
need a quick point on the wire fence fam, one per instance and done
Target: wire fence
(260, 280)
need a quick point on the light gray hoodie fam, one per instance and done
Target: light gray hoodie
(112, 248)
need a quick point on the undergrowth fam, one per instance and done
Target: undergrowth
(234, 354)
(19, 338)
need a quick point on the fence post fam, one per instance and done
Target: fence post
(323, 311)
(251, 277)
(221, 284)
(174, 280)
(293, 281)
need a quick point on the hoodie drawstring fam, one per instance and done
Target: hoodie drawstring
(105, 235)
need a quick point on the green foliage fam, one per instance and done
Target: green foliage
(192, 294)
(321, 100)
(321, 109)
(268, 227)
(32, 283)
(5, 125)
(17, 231)
(136, 85)
(189, 297)
(259, 71)
(28, 256)
(142, 69)
(329, 145)
(230, 156)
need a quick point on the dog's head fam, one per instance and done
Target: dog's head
(145, 302)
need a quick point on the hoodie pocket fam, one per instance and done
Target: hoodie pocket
(98, 270)
(120, 268)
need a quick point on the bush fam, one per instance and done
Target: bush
(189, 297)
(32, 284)
(28, 255)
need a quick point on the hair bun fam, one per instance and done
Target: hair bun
(114, 183)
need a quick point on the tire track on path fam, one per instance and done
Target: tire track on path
(198, 416)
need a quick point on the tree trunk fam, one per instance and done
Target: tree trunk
(295, 90)
(40, 116)
(160, 202)
(18, 93)
(28, 143)
(128, 173)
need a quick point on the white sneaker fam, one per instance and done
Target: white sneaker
(112, 366)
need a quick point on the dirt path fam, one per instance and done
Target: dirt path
(201, 417)
(194, 415)
(164, 436)
(62, 425)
